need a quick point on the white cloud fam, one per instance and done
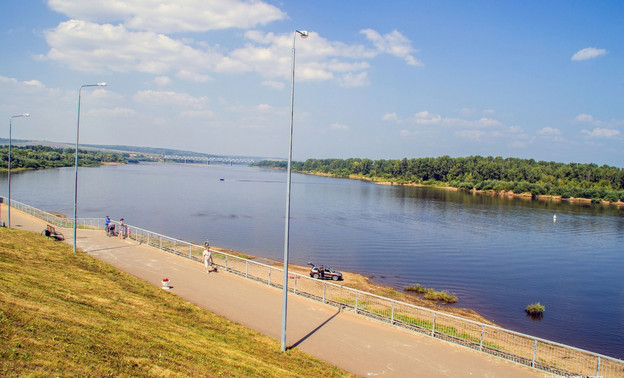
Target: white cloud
(462, 130)
(393, 43)
(115, 112)
(193, 76)
(172, 15)
(549, 131)
(31, 93)
(588, 53)
(601, 133)
(355, 80)
(317, 58)
(273, 84)
(390, 117)
(197, 113)
(169, 98)
(119, 50)
(466, 112)
(124, 44)
(488, 122)
(34, 83)
(338, 126)
(162, 81)
(425, 118)
(584, 118)
(470, 134)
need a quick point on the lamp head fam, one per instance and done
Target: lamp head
(26, 114)
(303, 33)
(102, 84)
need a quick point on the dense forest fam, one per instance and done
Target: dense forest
(39, 157)
(599, 183)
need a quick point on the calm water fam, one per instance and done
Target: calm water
(497, 255)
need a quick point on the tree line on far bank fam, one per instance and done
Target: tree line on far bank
(599, 183)
(40, 157)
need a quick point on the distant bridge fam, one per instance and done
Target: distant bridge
(208, 160)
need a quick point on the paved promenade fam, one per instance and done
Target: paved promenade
(359, 345)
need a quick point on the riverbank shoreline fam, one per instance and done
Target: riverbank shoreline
(363, 283)
(493, 193)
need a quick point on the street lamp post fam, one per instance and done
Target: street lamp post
(76, 163)
(11, 132)
(303, 34)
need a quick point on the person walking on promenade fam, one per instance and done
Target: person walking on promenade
(107, 225)
(207, 258)
(122, 229)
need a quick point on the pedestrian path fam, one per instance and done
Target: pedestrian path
(359, 345)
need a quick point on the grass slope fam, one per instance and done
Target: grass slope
(66, 314)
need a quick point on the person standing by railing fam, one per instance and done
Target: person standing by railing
(207, 258)
(123, 229)
(107, 225)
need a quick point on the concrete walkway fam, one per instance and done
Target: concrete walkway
(359, 345)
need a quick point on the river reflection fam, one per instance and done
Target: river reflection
(496, 254)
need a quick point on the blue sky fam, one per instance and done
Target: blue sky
(375, 79)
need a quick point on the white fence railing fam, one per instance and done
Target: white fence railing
(542, 354)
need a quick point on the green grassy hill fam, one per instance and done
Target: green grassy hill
(66, 314)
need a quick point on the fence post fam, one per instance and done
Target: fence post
(191, 251)
(295, 285)
(175, 247)
(226, 261)
(392, 314)
(598, 368)
(148, 238)
(481, 343)
(433, 325)
(160, 241)
(269, 280)
(356, 301)
(534, 353)
(246, 268)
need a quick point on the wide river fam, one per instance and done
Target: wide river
(496, 254)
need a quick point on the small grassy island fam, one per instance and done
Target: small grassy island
(431, 294)
(495, 175)
(535, 309)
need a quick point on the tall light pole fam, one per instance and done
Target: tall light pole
(303, 34)
(76, 164)
(11, 132)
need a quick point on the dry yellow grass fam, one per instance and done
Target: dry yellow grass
(66, 314)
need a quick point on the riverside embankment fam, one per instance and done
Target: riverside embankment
(355, 344)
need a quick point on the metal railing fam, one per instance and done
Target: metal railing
(539, 353)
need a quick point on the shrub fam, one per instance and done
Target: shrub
(612, 197)
(521, 187)
(416, 289)
(440, 296)
(429, 293)
(466, 185)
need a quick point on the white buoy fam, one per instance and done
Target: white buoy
(555, 218)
